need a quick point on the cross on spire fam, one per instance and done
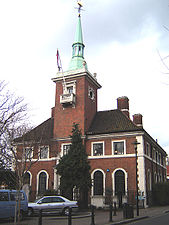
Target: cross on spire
(79, 6)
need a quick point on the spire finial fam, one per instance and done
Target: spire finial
(79, 7)
(77, 61)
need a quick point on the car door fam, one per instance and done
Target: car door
(45, 203)
(58, 204)
(5, 209)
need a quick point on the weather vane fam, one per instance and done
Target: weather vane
(79, 7)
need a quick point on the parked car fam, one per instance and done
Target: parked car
(8, 199)
(52, 205)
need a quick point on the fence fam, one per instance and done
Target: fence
(91, 215)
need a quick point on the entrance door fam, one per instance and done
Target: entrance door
(119, 186)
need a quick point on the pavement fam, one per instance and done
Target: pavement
(143, 214)
(101, 218)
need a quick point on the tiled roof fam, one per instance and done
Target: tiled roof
(104, 122)
(110, 122)
(43, 132)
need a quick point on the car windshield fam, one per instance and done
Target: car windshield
(37, 200)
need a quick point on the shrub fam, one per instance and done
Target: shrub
(161, 194)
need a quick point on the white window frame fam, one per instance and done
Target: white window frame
(91, 93)
(114, 141)
(43, 146)
(159, 158)
(97, 142)
(68, 85)
(47, 180)
(113, 180)
(148, 149)
(150, 179)
(62, 150)
(154, 154)
(31, 156)
(104, 181)
(30, 177)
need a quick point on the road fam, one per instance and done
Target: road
(157, 220)
(101, 218)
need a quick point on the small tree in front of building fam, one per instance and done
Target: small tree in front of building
(74, 169)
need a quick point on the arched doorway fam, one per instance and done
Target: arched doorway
(27, 184)
(27, 178)
(119, 186)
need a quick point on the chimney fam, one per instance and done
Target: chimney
(138, 119)
(123, 105)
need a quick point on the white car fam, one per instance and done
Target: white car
(52, 205)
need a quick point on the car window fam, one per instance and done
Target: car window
(12, 196)
(4, 196)
(46, 200)
(57, 199)
(15, 195)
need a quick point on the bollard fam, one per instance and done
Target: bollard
(92, 215)
(110, 213)
(115, 209)
(70, 217)
(40, 217)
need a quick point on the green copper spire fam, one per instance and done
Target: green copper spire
(77, 60)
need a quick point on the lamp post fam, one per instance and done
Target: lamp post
(135, 147)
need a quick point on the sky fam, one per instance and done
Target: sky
(124, 43)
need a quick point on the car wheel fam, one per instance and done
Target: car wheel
(30, 212)
(66, 211)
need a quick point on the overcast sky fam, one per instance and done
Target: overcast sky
(122, 39)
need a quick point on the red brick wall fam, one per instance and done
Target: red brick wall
(82, 114)
(126, 163)
(36, 168)
(90, 105)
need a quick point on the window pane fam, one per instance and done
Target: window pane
(47, 200)
(119, 182)
(98, 183)
(66, 148)
(118, 148)
(16, 195)
(44, 152)
(98, 149)
(4, 196)
(57, 199)
(28, 153)
(42, 182)
(70, 89)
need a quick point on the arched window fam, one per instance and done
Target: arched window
(42, 182)
(98, 183)
(27, 178)
(119, 182)
(149, 180)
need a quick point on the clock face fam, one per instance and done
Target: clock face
(91, 94)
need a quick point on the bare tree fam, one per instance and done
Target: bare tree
(13, 113)
(19, 143)
(164, 59)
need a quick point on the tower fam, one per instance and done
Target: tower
(76, 91)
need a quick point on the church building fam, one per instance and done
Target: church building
(109, 138)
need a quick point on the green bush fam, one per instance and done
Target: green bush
(50, 192)
(161, 194)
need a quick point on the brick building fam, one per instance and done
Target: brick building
(108, 138)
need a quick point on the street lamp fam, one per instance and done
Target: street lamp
(135, 147)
